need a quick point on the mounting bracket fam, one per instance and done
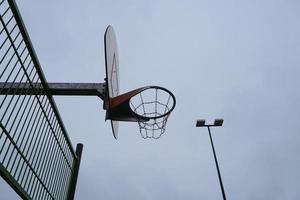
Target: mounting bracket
(78, 89)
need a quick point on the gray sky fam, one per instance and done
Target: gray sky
(238, 60)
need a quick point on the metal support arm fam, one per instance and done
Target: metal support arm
(79, 89)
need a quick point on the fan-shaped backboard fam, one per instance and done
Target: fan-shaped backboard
(112, 72)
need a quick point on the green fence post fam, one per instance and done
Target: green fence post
(73, 182)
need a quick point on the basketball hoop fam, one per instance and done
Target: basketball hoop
(152, 107)
(149, 106)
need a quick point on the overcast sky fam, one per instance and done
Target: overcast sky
(237, 60)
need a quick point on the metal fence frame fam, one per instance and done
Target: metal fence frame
(36, 156)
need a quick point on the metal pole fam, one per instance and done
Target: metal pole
(72, 189)
(81, 89)
(217, 165)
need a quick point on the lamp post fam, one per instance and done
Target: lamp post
(218, 122)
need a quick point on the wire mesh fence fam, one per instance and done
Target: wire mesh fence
(36, 156)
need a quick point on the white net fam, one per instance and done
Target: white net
(154, 105)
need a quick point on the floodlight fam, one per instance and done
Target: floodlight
(218, 122)
(200, 123)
